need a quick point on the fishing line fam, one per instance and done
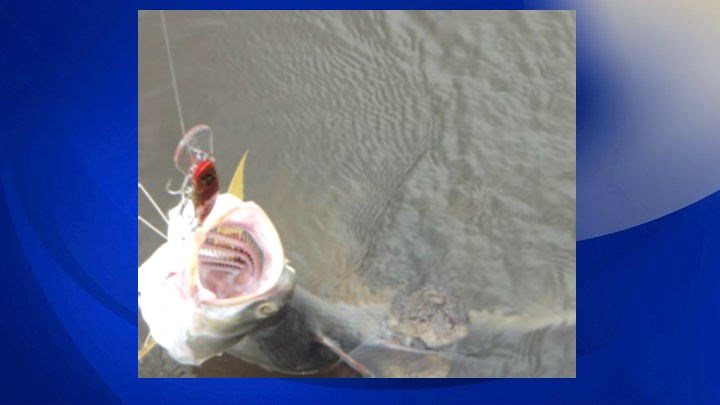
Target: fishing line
(150, 343)
(172, 72)
(149, 225)
(152, 201)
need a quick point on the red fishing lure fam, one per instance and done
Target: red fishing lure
(194, 158)
(205, 188)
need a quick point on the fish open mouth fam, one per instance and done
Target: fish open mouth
(241, 254)
(230, 261)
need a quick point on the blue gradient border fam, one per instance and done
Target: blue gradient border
(648, 313)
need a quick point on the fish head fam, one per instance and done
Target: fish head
(202, 293)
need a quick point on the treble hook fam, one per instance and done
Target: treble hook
(182, 191)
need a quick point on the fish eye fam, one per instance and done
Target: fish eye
(266, 309)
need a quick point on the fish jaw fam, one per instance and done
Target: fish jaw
(203, 290)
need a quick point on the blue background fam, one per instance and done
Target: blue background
(647, 262)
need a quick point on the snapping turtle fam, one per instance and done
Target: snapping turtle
(222, 284)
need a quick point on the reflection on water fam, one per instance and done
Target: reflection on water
(395, 152)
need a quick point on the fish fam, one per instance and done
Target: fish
(220, 283)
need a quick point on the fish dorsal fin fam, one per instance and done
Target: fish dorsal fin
(237, 184)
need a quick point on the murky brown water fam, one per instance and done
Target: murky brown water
(393, 150)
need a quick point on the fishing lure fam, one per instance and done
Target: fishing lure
(194, 158)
